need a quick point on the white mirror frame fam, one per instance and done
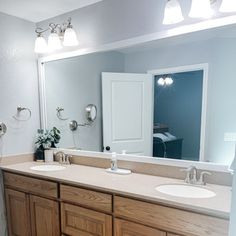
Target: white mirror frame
(209, 24)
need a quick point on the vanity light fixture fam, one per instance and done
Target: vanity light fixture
(201, 9)
(228, 6)
(60, 34)
(40, 44)
(173, 13)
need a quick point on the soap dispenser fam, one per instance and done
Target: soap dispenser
(114, 167)
(114, 162)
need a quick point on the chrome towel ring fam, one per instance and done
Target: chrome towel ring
(19, 111)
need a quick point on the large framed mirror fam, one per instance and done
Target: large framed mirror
(172, 99)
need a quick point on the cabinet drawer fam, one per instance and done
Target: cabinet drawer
(170, 219)
(31, 185)
(80, 221)
(126, 228)
(87, 198)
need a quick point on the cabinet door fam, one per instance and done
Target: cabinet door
(18, 213)
(126, 228)
(83, 222)
(44, 217)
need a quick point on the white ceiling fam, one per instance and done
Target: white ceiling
(39, 10)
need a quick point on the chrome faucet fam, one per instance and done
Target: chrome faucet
(192, 176)
(63, 158)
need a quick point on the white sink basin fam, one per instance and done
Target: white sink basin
(47, 168)
(185, 191)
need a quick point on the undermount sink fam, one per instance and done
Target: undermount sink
(185, 191)
(47, 168)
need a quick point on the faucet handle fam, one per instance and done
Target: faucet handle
(188, 175)
(202, 180)
(67, 159)
(61, 156)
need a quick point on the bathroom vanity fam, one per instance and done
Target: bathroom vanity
(82, 200)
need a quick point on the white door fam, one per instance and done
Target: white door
(127, 113)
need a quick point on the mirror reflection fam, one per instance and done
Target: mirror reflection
(173, 98)
(177, 115)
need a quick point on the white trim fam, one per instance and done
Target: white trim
(42, 95)
(151, 160)
(189, 68)
(185, 29)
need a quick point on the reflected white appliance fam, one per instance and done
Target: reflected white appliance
(127, 113)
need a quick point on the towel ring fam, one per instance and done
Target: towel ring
(59, 116)
(21, 109)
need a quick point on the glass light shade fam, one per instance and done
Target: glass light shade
(228, 6)
(169, 81)
(70, 38)
(54, 42)
(173, 13)
(161, 82)
(40, 45)
(201, 9)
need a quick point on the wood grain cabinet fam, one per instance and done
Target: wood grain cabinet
(29, 215)
(83, 222)
(37, 207)
(170, 234)
(126, 228)
(18, 213)
(44, 217)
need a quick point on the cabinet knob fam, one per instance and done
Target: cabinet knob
(108, 148)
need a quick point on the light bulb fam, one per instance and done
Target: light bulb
(228, 6)
(173, 13)
(201, 9)
(40, 45)
(54, 42)
(161, 82)
(169, 81)
(70, 38)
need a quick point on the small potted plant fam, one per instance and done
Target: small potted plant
(55, 135)
(46, 139)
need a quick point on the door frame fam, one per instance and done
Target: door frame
(188, 68)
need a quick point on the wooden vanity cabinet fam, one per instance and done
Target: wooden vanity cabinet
(127, 228)
(38, 207)
(77, 220)
(170, 234)
(44, 217)
(27, 214)
(169, 219)
(18, 213)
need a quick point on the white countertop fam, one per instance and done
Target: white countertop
(135, 185)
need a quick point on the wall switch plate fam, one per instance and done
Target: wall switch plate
(230, 137)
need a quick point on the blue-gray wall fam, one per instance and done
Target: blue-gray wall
(73, 84)
(18, 83)
(179, 106)
(19, 87)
